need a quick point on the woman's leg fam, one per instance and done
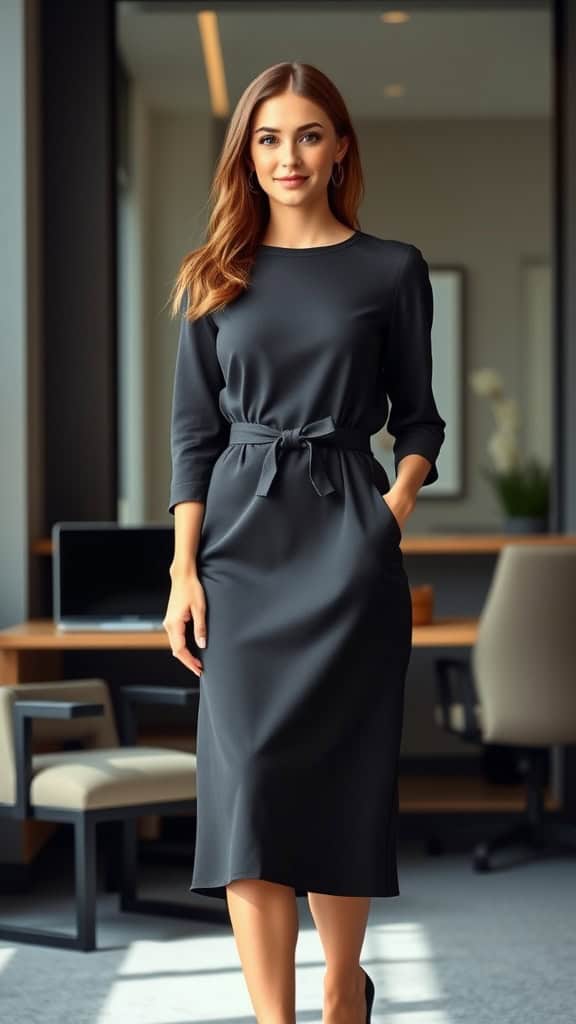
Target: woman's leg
(264, 919)
(341, 924)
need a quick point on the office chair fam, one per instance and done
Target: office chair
(109, 779)
(519, 687)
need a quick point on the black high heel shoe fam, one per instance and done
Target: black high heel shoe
(369, 990)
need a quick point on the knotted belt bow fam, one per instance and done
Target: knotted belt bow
(319, 432)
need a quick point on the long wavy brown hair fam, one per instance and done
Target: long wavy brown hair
(219, 271)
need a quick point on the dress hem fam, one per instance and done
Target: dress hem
(217, 889)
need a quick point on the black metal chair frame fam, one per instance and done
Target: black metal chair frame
(85, 823)
(455, 683)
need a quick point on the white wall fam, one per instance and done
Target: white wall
(179, 168)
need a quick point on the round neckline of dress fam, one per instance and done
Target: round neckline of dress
(282, 249)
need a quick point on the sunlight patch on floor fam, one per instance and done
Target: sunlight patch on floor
(184, 980)
(400, 960)
(5, 957)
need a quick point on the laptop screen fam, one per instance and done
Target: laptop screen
(105, 571)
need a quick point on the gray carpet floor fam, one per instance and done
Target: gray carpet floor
(456, 947)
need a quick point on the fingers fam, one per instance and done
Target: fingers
(177, 635)
(200, 627)
(188, 659)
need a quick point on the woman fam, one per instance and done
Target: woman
(296, 328)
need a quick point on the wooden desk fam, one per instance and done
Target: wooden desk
(478, 543)
(431, 543)
(29, 651)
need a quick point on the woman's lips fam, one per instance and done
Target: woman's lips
(291, 182)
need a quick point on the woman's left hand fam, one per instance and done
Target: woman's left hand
(400, 504)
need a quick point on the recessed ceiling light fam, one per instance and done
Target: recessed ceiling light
(214, 62)
(395, 17)
(394, 89)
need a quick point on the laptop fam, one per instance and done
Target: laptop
(106, 576)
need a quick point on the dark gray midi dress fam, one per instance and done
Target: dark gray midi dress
(308, 610)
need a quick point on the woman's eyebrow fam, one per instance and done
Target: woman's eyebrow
(311, 124)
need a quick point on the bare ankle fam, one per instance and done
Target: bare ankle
(345, 979)
(344, 995)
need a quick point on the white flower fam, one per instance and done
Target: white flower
(503, 451)
(503, 444)
(506, 413)
(503, 447)
(487, 383)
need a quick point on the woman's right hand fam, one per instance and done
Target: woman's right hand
(187, 601)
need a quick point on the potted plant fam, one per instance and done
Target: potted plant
(521, 484)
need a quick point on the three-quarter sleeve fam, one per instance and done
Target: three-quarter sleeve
(414, 420)
(199, 432)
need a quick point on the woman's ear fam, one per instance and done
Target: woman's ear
(342, 149)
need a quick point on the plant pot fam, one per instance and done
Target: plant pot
(525, 524)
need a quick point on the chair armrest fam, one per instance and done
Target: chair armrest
(23, 714)
(181, 696)
(455, 683)
(56, 709)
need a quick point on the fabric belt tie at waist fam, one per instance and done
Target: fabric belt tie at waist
(319, 432)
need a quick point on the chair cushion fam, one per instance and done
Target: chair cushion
(93, 733)
(112, 777)
(456, 715)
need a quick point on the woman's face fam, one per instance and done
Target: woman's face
(302, 142)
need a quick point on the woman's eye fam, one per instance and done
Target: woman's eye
(307, 135)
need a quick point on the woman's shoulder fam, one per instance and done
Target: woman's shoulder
(392, 260)
(393, 249)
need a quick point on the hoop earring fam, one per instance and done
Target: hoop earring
(250, 182)
(338, 182)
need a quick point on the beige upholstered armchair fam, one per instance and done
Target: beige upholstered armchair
(109, 778)
(519, 687)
